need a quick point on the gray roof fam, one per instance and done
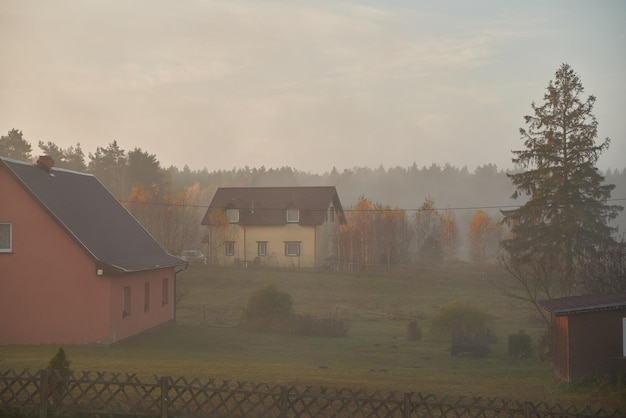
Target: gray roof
(267, 205)
(82, 206)
(584, 303)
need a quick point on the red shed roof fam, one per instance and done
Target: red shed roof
(584, 303)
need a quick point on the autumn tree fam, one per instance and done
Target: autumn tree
(374, 234)
(428, 233)
(13, 145)
(566, 215)
(484, 238)
(450, 238)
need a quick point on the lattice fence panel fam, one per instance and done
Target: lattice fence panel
(106, 393)
(19, 390)
(228, 399)
(117, 393)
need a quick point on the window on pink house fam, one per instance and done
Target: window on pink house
(126, 302)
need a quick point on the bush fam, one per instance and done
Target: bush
(413, 331)
(467, 326)
(520, 345)
(270, 309)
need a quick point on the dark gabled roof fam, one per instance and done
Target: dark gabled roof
(93, 217)
(267, 205)
(584, 303)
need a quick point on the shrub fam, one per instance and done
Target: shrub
(60, 363)
(269, 308)
(59, 368)
(413, 331)
(520, 345)
(467, 326)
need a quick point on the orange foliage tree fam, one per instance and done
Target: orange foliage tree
(484, 238)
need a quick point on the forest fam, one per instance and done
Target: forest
(412, 215)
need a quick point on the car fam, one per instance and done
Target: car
(193, 256)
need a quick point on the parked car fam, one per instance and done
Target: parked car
(193, 256)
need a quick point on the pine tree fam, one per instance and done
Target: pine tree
(13, 145)
(566, 216)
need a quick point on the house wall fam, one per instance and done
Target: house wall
(49, 291)
(246, 250)
(560, 346)
(160, 309)
(595, 343)
(326, 240)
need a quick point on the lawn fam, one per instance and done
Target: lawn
(208, 342)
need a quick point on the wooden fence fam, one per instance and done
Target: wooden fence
(104, 394)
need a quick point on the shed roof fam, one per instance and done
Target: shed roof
(93, 217)
(267, 205)
(584, 303)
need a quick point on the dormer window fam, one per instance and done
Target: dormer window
(232, 215)
(293, 215)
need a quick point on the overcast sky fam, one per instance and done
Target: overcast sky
(307, 84)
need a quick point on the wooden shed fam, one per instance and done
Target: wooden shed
(588, 335)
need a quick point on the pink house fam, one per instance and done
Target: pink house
(75, 266)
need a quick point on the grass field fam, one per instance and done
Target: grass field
(207, 341)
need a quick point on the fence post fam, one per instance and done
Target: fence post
(407, 404)
(164, 399)
(284, 404)
(43, 393)
(528, 409)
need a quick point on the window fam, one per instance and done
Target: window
(292, 248)
(5, 238)
(126, 302)
(166, 292)
(261, 248)
(293, 215)
(232, 215)
(229, 247)
(146, 297)
(332, 214)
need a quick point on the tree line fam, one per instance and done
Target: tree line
(554, 222)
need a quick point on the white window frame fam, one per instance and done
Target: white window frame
(8, 226)
(290, 246)
(293, 215)
(261, 248)
(229, 248)
(332, 214)
(232, 215)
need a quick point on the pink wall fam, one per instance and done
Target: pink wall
(49, 290)
(140, 320)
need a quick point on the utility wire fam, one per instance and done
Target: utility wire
(455, 208)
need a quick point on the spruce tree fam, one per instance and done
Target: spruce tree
(566, 216)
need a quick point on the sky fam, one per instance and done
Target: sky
(313, 85)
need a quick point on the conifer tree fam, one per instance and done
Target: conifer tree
(566, 216)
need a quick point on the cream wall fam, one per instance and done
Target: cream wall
(316, 244)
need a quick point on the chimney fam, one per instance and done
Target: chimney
(45, 162)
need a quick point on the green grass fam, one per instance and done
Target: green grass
(207, 342)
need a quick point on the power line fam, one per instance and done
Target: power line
(438, 209)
